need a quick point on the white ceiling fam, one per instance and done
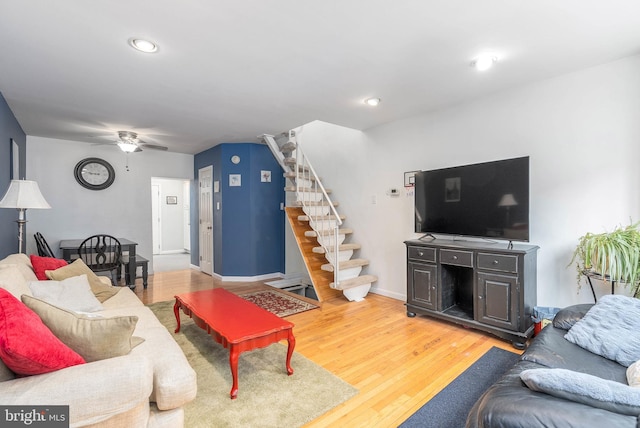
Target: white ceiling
(229, 70)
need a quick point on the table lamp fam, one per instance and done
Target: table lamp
(23, 194)
(507, 201)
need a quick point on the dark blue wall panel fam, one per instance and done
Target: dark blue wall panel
(9, 129)
(249, 226)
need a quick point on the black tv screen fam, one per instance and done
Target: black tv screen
(489, 200)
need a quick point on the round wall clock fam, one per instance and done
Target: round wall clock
(94, 173)
(235, 159)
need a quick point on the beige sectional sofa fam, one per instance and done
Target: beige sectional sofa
(148, 387)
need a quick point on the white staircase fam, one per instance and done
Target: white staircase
(325, 224)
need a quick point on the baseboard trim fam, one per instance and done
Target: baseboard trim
(194, 267)
(391, 294)
(248, 278)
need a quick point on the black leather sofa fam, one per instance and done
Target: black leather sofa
(510, 403)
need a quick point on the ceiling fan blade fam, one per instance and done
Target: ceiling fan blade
(152, 146)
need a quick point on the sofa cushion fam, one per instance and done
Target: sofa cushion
(78, 267)
(567, 317)
(12, 280)
(633, 375)
(72, 293)
(27, 346)
(551, 350)
(41, 264)
(611, 328)
(584, 388)
(93, 337)
(22, 262)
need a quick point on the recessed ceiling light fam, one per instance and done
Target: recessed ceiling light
(143, 45)
(484, 62)
(372, 101)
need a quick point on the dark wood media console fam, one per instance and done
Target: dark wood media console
(486, 286)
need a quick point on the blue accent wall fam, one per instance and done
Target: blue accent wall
(248, 228)
(9, 129)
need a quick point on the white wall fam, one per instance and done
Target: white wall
(580, 130)
(122, 210)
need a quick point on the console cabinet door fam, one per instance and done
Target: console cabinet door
(423, 285)
(497, 300)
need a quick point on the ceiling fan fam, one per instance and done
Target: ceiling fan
(129, 143)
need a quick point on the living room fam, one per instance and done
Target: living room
(578, 125)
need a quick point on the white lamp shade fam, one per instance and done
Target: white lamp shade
(23, 194)
(507, 200)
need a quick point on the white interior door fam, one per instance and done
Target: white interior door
(205, 186)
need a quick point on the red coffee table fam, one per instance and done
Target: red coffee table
(235, 323)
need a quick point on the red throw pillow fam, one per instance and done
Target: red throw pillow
(27, 346)
(40, 264)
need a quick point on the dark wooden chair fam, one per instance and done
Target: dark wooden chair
(43, 248)
(101, 253)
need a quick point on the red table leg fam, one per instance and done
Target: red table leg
(176, 312)
(234, 354)
(292, 344)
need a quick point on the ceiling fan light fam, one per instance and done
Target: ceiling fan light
(484, 62)
(143, 45)
(372, 101)
(127, 146)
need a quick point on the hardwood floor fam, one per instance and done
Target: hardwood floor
(397, 363)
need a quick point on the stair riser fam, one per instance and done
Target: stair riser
(316, 211)
(323, 224)
(310, 196)
(329, 241)
(357, 294)
(342, 256)
(305, 183)
(345, 274)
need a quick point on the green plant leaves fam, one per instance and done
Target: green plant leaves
(613, 255)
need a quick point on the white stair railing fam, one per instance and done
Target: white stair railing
(315, 201)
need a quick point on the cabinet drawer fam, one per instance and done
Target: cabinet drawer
(424, 254)
(455, 257)
(499, 262)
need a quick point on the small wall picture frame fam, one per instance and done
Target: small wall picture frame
(410, 178)
(265, 176)
(235, 180)
(172, 200)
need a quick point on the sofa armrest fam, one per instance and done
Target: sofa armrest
(567, 317)
(94, 392)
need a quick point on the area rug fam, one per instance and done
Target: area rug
(450, 407)
(278, 303)
(267, 397)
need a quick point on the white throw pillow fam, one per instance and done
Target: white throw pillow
(633, 374)
(73, 294)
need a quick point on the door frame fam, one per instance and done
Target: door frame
(207, 267)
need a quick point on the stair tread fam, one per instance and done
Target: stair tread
(288, 147)
(347, 264)
(305, 189)
(292, 174)
(313, 233)
(321, 217)
(343, 247)
(316, 203)
(354, 282)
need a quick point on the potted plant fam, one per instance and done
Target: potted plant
(612, 256)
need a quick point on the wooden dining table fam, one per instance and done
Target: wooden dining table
(69, 249)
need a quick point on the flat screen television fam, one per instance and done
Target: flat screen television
(487, 200)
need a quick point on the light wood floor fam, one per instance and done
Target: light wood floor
(397, 363)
